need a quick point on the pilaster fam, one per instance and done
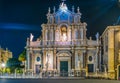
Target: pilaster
(111, 70)
(73, 58)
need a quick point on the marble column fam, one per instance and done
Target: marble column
(76, 60)
(46, 37)
(73, 59)
(81, 30)
(72, 34)
(84, 59)
(44, 58)
(28, 59)
(43, 36)
(69, 35)
(54, 36)
(54, 59)
(84, 62)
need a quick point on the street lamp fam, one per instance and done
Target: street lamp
(3, 66)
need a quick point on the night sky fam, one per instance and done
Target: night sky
(19, 18)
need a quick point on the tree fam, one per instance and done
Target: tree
(13, 63)
(22, 56)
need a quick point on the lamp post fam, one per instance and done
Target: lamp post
(3, 66)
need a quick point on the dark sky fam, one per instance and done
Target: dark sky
(19, 18)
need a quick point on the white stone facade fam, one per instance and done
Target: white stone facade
(63, 41)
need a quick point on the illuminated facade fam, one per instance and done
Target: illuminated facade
(4, 56)
(111, 50)
(63, 45)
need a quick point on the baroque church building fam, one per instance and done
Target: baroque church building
(63, 46)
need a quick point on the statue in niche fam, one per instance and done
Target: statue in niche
(64, 33)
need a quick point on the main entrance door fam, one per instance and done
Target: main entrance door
(90, 68)
(63, 68)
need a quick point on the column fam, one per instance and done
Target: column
(84, 60)
(81, 59)
(69, 34)
(96, 60)
(53, 35)
(28, 59)
(76, 61)
(44, 58)
(45, 34)
(81, 30)
(73, 59)
(72, 34)
(33, 64)
(48, 36)
(54, 59)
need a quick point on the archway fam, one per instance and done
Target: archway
(64, 63)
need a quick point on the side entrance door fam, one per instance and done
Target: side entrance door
(63, 68)
(37, 69)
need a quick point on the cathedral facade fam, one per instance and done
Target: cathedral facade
(63, 46)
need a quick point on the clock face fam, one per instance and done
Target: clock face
(38, 59)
